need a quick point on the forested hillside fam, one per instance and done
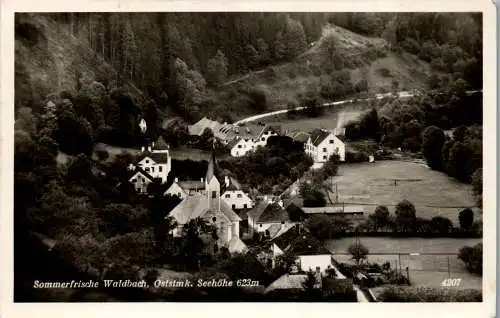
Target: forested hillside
(116, 67)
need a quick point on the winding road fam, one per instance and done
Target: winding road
(401, 94)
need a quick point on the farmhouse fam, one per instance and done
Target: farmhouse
(233, 195)
(152, 163)
(223, 131)
(249, 137)
(323, 143)
(209, 206)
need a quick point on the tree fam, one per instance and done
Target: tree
(217, 69)
(405, 216)
(369, 125)
(264, 54)
(119, 219)
(432, 144)
(441, 225)
(294, 38)
(26, 121)
(279, 47)
(466, 218)
(312, 195)
(477, 186)
(253, 57)
(358, 252)
(472, 257)
(325, 227)
(381, 217)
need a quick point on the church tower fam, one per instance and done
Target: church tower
(212, 185)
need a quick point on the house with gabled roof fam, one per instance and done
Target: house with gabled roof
(153, 162)
(210, 207)
(251, 136)
(233, 194)
(182, 189)
(322, 144)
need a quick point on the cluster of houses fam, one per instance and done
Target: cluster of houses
(320, 144)
(220, 200)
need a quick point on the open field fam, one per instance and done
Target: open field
(425, 270)
(433, 193)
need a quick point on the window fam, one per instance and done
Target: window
(324, 149)
(147, 161)
(147, 169)
(160, 168)
(337, 150)
(228, 195)
(239, 146)
(233, 206)
(179, 194)
(262, 138)
(134, 180)
(324, 157)
(239, 195)
(237, 153)
(260, 225)
(214, 194)
(331, 141)
(244, 206)
(152, 169)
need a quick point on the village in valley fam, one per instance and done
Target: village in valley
(363, 186)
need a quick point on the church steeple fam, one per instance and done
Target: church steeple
(212, 185)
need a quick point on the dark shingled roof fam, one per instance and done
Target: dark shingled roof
(139, 169)
(300, 242)
(257, 210)
(156, 157)
(191, 185)
(273, 213)
(318, 135)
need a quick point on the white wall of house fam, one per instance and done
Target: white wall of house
(140, 182)
(237, 199)
(331, 145)
(310, 262)
(156, 170)
(242, 147)
(175, 189)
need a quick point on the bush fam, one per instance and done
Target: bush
(356, 156)
(384, 72)
(425, 294)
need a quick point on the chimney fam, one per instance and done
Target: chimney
(149, 148)
(202, 179)
(176, 180)
(226, 181)
(142, 149)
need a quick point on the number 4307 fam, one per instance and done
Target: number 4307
(451, 282)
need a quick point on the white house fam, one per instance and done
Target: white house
(234, 196)
(153, 162)
(140, 179)
(322, 144)
(249, 137)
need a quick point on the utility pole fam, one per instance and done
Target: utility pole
(399, 261)
(449, 273)
(408, 273)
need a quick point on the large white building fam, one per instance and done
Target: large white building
(250, 137)
(321, 145)
(154, 162)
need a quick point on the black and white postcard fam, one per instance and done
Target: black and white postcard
(301, 156)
